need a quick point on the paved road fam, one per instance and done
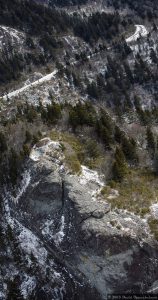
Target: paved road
(140, 31)
(26, 87)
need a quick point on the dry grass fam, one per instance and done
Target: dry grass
(72, 150)
(136, 193)
(76, 152)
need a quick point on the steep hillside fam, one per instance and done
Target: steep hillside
(78, 149)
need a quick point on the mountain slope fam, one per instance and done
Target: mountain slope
(78, 149)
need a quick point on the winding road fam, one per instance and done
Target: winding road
(140, 31)
(35, 83)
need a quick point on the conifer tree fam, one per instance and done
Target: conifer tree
(14, 292)
(129, 149)
(119, 166)
(118, 134)
(150, 139)
(156, 162)
(3, 143)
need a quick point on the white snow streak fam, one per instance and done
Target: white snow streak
(58, 237)
(23, 186)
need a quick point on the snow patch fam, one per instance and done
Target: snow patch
(23, 186)
(41, 149)
(88, 175)
(28, 285)
(58, 237)
(31, 244)
(10, 34)
(47, 230)
(154, 210)
(28, 241)
(11, 31)
(113, 194)
(2, 295)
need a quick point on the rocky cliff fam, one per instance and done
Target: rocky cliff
(83, 249)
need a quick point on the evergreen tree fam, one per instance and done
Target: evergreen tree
(26, 150)
(156, 162)
(82, 114)
(14, 292)
(119, 166)
(129, 149)
(104, 134)
(52, 113)
(92, 90)
(92, 149)
(3, 143)
(150, 139)
(28, 136)
(106, 137)
(118, 135)
(106, 121)
(73, 119)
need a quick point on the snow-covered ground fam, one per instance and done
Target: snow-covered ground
(45, 78)
(140, 31)
(13, 32)
(12, 35)
(26, 178)
(88, 175)
(31, 245)
(154, 210)
(58, 237)
(28, 285)
(43, 147)
(93, 7)
(28, 241)
(92, 180)
(154, 288)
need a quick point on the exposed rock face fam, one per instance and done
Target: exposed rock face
(109, 251)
